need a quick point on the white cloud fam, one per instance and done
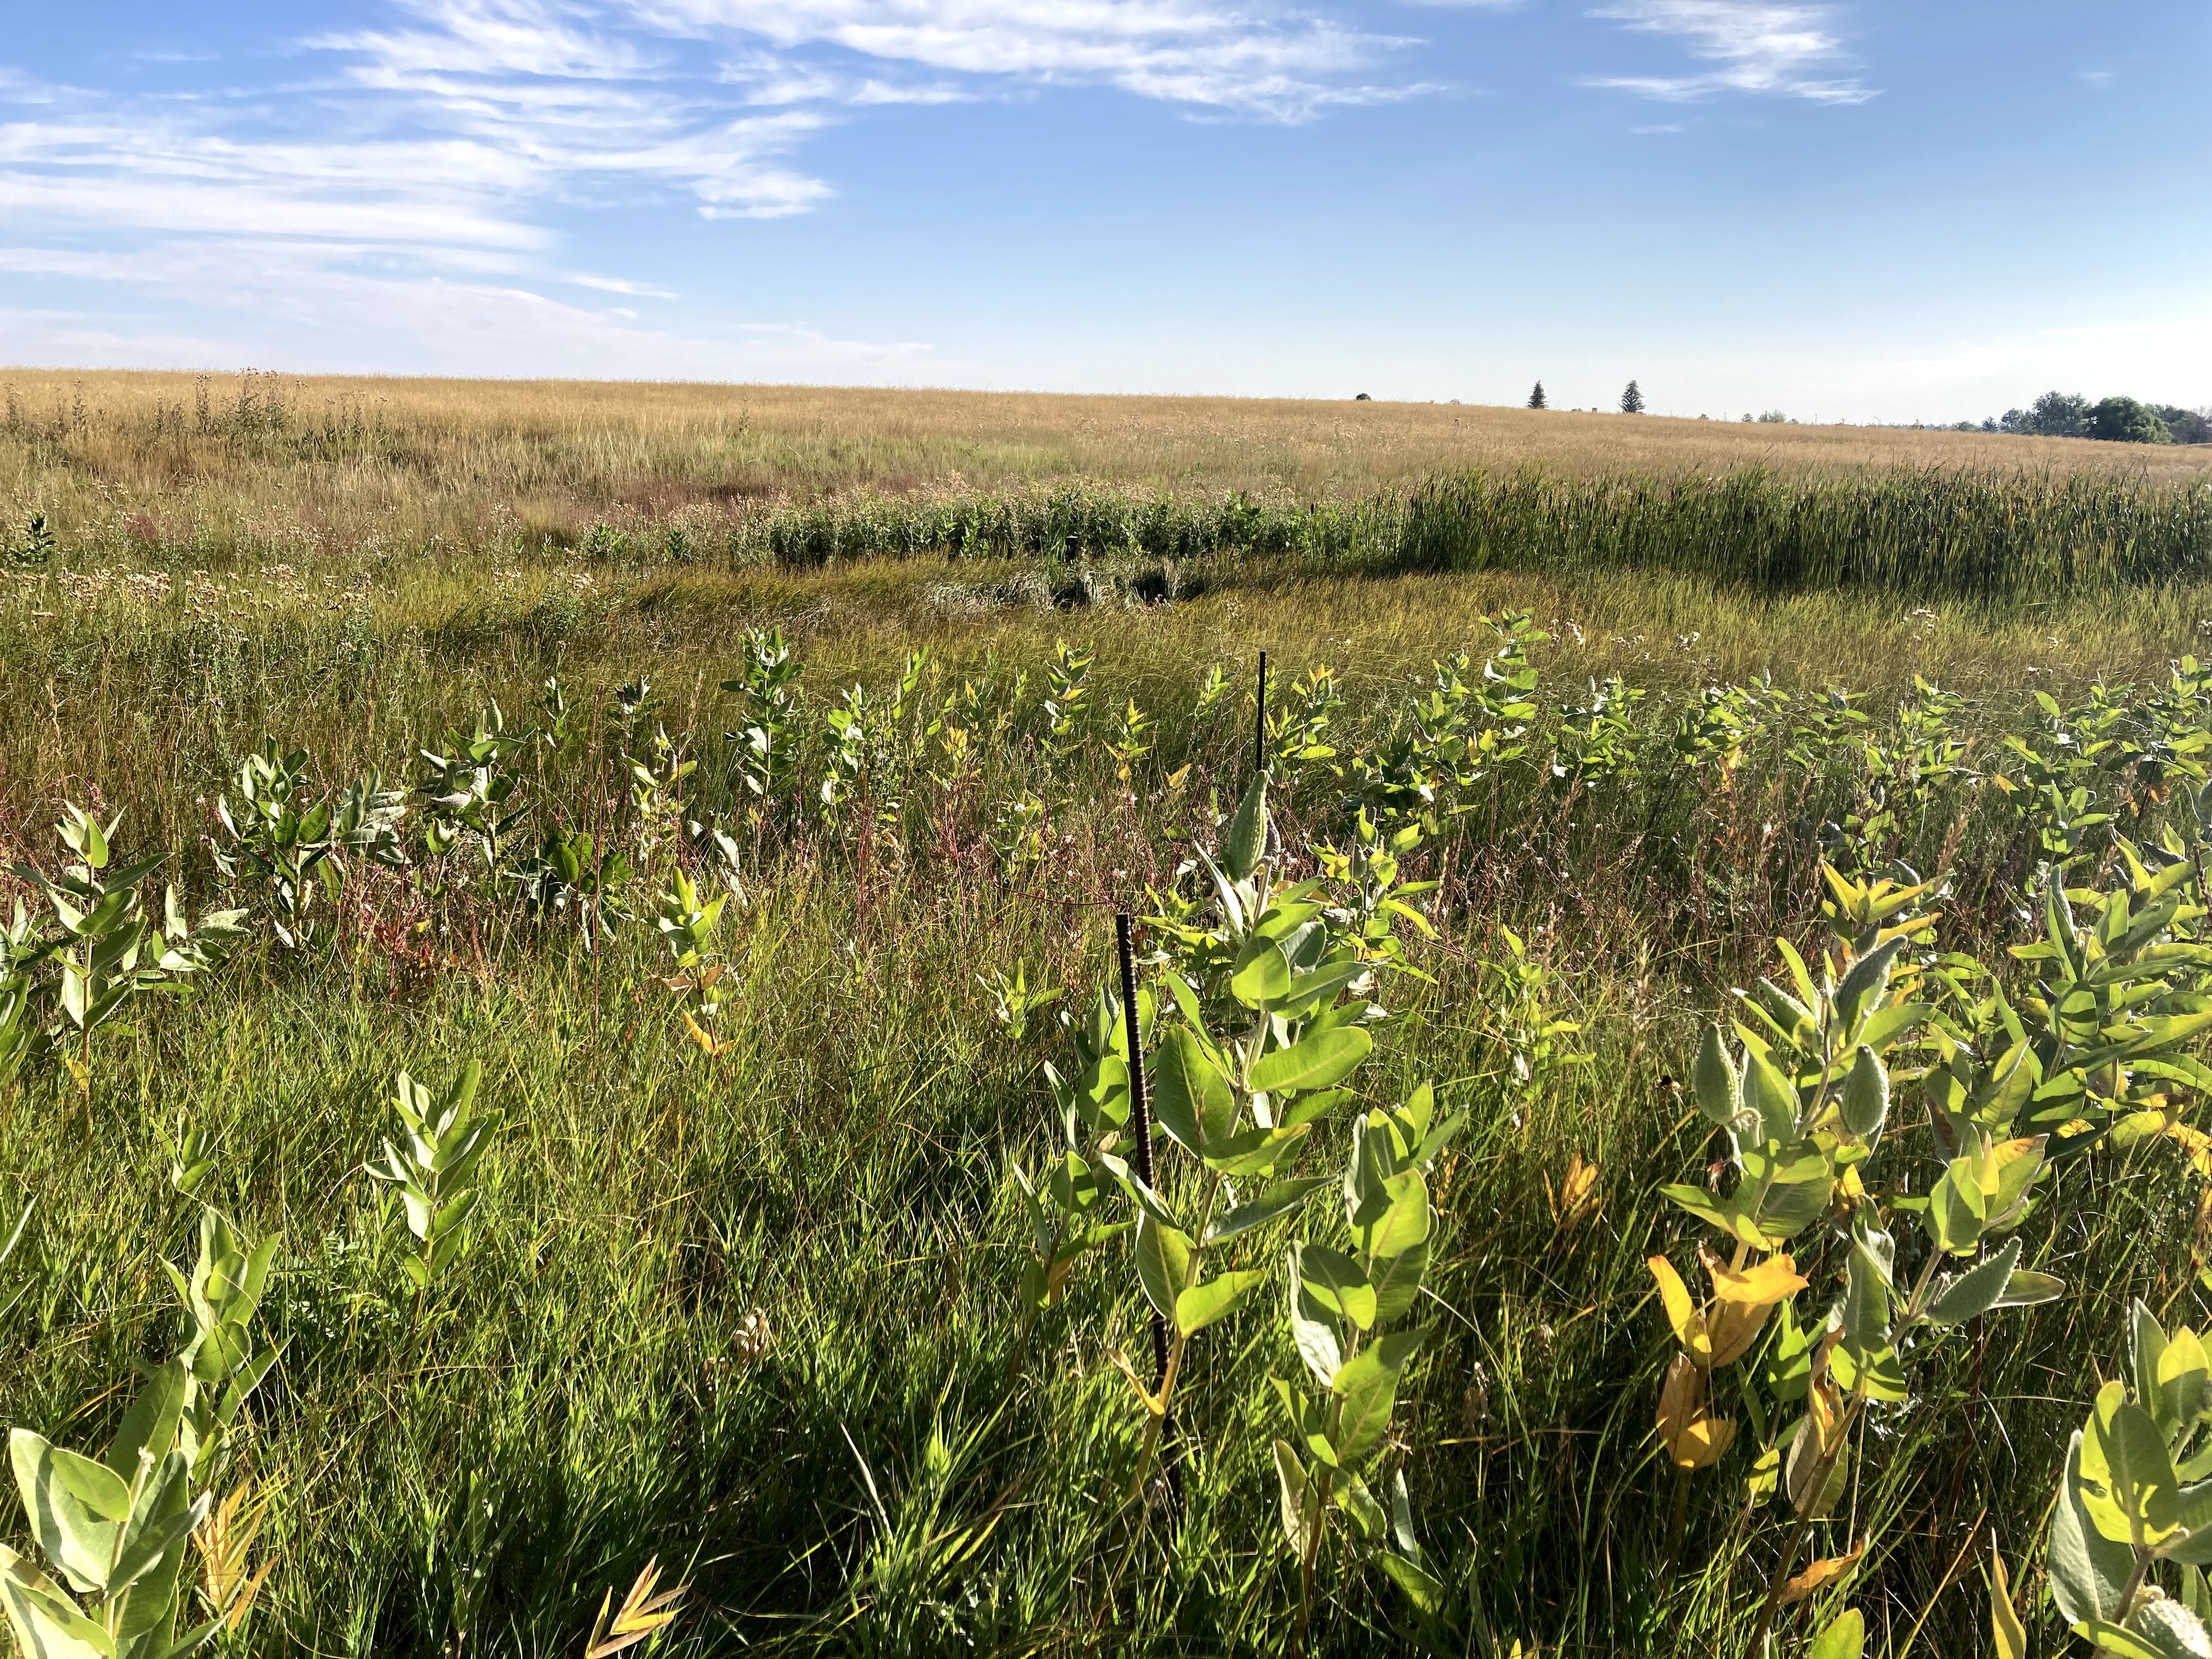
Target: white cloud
(330, 319)
(617, 285)
(416, 168)
(1759, 46)
(1276, 64)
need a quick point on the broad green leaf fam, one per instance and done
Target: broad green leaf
(1351, 1496)
(1335, 1281)
(2182, 1382)
(1801, 1466)
(1278, 1199)
(1953, 1215)
(1313, 1062)
(2128, 1484)
(2104, 1637)
(1768, 1093)
(1866, 1299)
(1878, 1370)
(1884, 1025)
(2025, 1290)
(1792, 1205)
(1844, 1639)
(1202, 1304)
(1309, 1417)
(1255, 1151)
(1397, 1281)
(1314, 1328)
(74, 1538)
(105, 1494)
(1715, 1211)
(1404, 1222)
(47, 1623)
(1163, 1264)
(2146, 1347)
(1190, 1097)
(1367, 1386)
(1426, 1595)
(1262, 979)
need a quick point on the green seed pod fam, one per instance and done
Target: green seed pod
(1866, 1095)
(1715, 1078)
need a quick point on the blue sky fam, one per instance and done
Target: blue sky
(1867, 210)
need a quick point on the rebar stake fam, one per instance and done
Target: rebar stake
(1260, 723)
(1140, 1119)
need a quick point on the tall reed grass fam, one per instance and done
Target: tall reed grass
(1983, 535)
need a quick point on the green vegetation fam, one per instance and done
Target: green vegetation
(527, 1057)
(2113, 419)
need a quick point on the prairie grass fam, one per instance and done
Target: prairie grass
(754, 1313)
(267, 468)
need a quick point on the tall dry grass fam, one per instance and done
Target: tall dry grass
(415, 458)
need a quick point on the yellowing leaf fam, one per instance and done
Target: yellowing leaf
(1576, 1199)
(1689, 1324)
(1821, 1574)
(2196, 1144)
(1702, 1443)
(1693, 1439)
(1775, 1280)
(1735, 1326)
(2004, 1622)
(705, 1040)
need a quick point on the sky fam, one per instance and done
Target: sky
(1866, 210)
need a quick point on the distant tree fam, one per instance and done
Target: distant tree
(2188, 426)
(1363, 399)
(1536, 398)
(1749, 419)
(2124, 420)
(1774, 417)
(2054, 414)
(1631, 401)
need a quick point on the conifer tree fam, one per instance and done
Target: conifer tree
(1631, 401)
(1536, 398)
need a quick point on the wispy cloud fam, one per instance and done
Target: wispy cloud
(1757, 46)
(1262, 61)
(420, 164)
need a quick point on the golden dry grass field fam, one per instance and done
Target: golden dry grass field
(360, 458)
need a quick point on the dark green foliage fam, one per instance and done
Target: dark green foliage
(2124, 420)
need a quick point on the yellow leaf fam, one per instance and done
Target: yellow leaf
(2196, 1144)
(700, 1036)
(1689, 1324)
(1121, 1364)
(1850, 1187)
(1821, 1574)
(643, 1612)
(2004, 1623)
(1703, 1442)
(1577, 1200)
(1693, 1439)
(1735, 1326)
(1775, 1280)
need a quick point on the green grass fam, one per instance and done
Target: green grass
(875, 1481)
